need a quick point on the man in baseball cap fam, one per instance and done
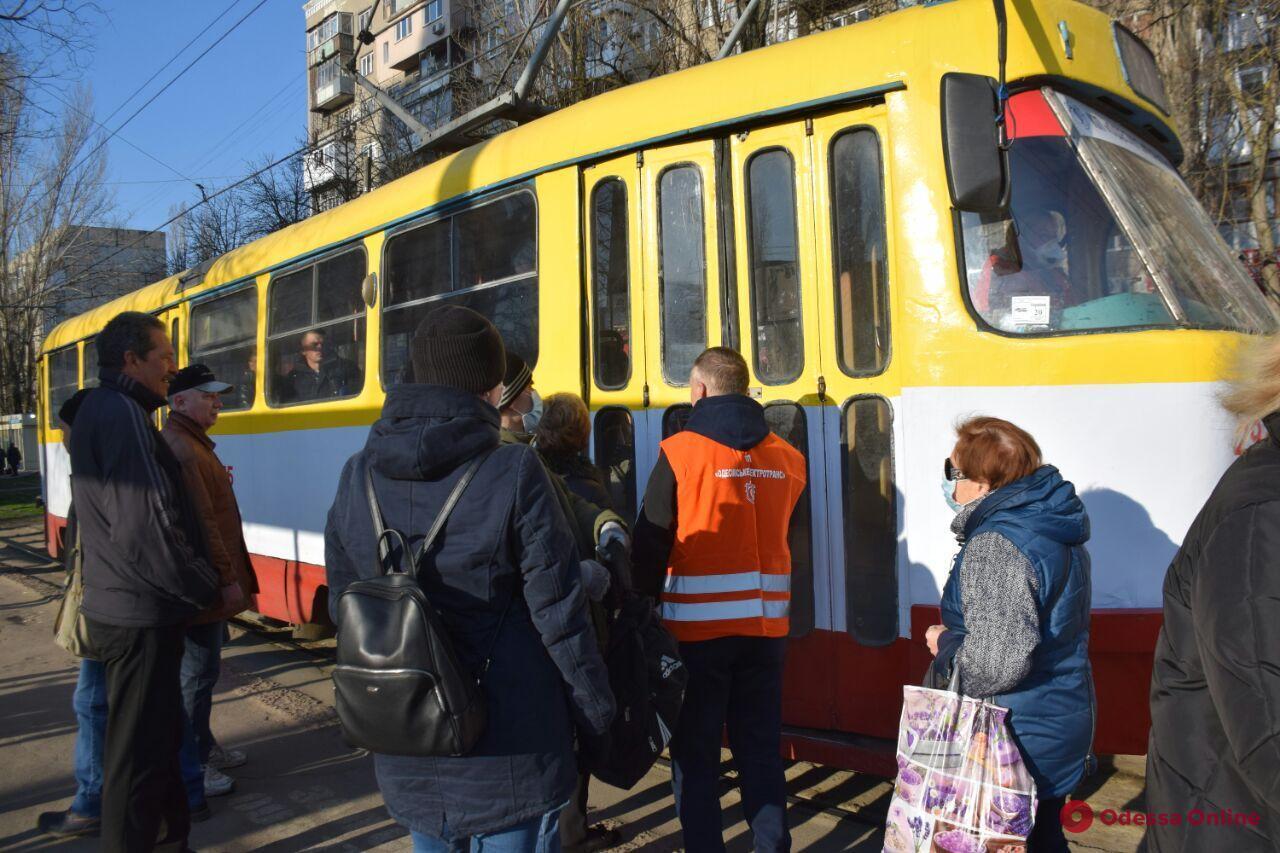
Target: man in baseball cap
(195, 399)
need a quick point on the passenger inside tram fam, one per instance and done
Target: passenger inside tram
(317, 372)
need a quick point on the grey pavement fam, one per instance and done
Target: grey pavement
(305, 789)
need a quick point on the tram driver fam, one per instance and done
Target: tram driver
(1034, 293)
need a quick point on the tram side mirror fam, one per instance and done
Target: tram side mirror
(977, 170)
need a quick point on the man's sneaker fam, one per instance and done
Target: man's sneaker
(67, 824)
(225, 759)
(201, 813)
(217, 783)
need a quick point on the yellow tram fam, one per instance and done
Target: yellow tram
(836, 207)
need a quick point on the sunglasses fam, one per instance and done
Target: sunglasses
(951, 472)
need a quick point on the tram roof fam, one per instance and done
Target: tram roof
(805, 74)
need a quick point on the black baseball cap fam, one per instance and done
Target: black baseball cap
(199, 377)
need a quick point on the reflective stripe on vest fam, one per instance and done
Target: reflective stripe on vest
(729, 574)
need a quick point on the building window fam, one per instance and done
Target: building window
(386, 53)
(682, 271)
(363, 20)
(869, 495)
(860, 253)
(610, 283)
(775, 267)
(64, 380)
(224, 338)
(404, 27)
(366, 65)
(315, 331)
(435, 10)
(483, 258)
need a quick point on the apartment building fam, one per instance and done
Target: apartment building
(415, 45)
(96, 265)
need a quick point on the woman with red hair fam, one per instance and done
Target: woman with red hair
(1015, 609)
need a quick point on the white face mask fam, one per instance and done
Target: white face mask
(1050, 253)
(529, 420)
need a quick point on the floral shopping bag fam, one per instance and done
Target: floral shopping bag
(962, 786)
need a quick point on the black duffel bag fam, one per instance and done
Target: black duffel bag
(399, 686)
(648, 680)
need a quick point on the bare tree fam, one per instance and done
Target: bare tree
(275, 197)
(51, 184)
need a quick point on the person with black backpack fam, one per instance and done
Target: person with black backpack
(465, 653)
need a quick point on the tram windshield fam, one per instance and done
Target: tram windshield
(1109, 237)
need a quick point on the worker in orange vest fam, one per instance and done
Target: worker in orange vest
(711, 546)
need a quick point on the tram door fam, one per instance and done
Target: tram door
(777, 309)
(854, 250)
(653, 275)
(174, 326)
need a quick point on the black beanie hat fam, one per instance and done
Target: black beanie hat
(515, 379)
(457, 347)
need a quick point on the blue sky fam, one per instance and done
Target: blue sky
(245, 99)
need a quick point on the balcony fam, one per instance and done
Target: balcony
(341, 46)
(327, 165)
(317, 9)
(334, 87)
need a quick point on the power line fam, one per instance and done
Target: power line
(211, 196)
(172, 59)
(50, 90)
(172, 80)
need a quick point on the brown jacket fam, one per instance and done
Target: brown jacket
(215, 502)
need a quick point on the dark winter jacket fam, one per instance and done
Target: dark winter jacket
(1051, 709)
(733, 420)
(1215, 687)
(144, 553)
(581, 476)
(507, 536)
(336, 377)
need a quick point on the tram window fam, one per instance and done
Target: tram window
(224, 338)
(787, 421)
(89, 363)
(870, 521)
(496, 241)
(682, 271)
(484, 258)
(615, 446)
(610, 283)
(675, 418)
(315, 324)
(64, 380)
(775, 267)
(860, 251)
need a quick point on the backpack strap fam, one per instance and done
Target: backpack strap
(449, 503)
(385, 538)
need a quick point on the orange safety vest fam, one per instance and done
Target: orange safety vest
(729, 573)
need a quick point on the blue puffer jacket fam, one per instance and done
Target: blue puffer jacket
(1051, 711)
(506, 535)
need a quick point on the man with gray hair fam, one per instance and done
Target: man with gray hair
(195, 398)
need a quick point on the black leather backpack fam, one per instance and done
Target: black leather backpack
(400, 688)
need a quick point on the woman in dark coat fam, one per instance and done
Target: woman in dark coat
(506, 541)
(562, 437)
(1215, 687)
(1015, 609)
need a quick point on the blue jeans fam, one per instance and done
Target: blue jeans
(536, 835)
(90, 704)
(201, 664)
(734, 682)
